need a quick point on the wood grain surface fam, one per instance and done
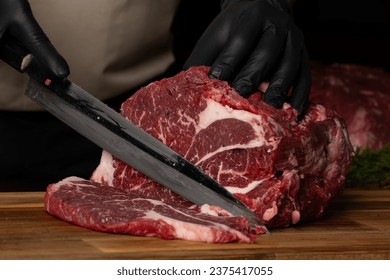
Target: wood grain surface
(357, 226)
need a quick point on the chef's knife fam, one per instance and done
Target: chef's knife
(123, 139)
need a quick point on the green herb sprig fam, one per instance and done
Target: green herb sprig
(370, 169)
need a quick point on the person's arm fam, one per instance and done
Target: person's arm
(17, 21)
(254, 41)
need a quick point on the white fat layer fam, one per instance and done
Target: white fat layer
(215, 111)
(193, 231)
(252, 144)
(270, 212)
(70, 180)
(214, 210)
(206, 209)
(295, 217)
(321, 113)
(104, 173)
(196, 232)
(251, 186)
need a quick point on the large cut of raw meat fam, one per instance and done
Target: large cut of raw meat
(361, 95)
(284, 171)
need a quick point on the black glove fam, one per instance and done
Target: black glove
(253, 41)
(17, 20)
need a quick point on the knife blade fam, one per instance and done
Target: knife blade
(117, 135)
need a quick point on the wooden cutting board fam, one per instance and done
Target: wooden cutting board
(357, 226)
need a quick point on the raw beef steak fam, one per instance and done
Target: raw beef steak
(286, 172)
(361, 95)
(105, 208)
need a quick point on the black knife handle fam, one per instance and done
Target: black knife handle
(13, 53)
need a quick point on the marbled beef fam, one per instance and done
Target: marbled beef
(105, 208)
(286, 172)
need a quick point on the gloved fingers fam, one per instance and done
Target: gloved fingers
(236, 50)
(209, 45)
(262, 60)
(286, 73)
(228, 41)
(42, 49)
(27, 30)
(301, 89)
(244, 31)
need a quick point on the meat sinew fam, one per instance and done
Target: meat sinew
(286, 172)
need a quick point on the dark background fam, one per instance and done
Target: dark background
(345, 31)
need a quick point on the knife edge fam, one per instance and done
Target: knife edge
(111, 131)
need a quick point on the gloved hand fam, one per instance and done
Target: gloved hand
(17, 20)
(253, 41)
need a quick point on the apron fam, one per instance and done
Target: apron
(110, 46)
